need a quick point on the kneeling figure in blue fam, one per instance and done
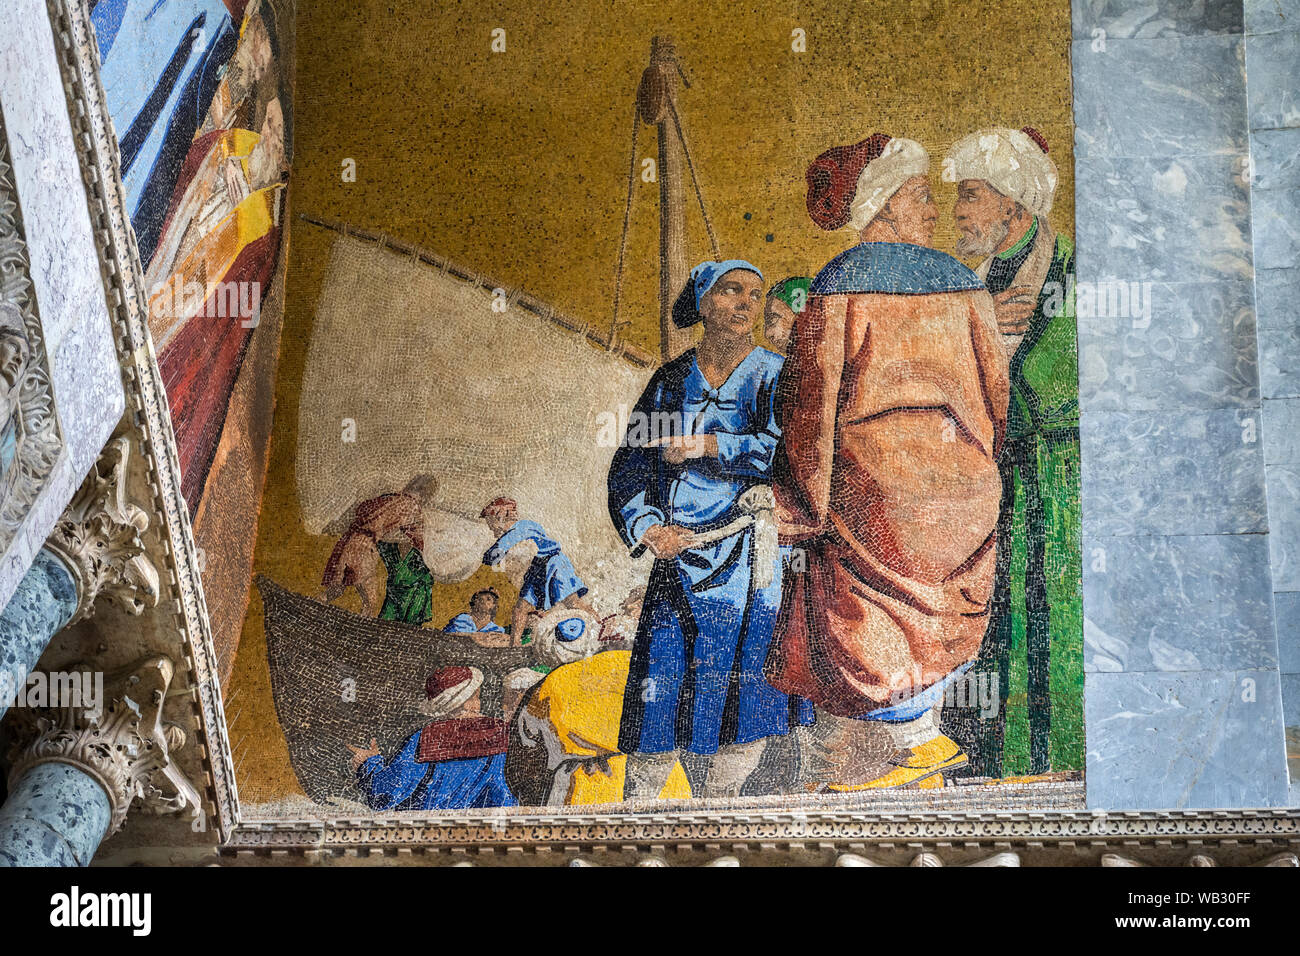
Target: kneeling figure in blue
(457, 761)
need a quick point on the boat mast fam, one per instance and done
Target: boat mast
(656, 103)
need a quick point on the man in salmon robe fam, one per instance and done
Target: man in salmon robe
(892, 407)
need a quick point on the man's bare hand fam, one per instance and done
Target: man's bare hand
(666, 541)
(678, 448)
(236, 184)
(1014, 308)
(361, 754)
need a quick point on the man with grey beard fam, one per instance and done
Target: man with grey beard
(1005, 183)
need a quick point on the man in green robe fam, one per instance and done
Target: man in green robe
(390, 527)
(409, 597)
(1033, 648)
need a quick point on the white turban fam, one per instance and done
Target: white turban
(565, 635)
(1011, 162)
(900, 160)
(452, 698)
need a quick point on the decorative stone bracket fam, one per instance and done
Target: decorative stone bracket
(98, 537)
(121, 742)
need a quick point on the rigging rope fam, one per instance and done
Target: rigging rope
(695, 179)
(627, 213)
(627, 208)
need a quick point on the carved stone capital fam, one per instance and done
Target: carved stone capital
(98, 537)
(120, 740)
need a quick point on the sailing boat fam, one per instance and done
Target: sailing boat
(474, 413)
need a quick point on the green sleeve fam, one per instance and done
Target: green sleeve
(1052, 368)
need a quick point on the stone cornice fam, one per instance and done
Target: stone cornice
(147, 409)
(1224, 837)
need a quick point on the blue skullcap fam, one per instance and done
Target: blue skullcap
(570, 629)
(686, 310)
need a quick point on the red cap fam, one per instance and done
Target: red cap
(444, 679)
(499, 504)
(833, 179)
(1036, 136)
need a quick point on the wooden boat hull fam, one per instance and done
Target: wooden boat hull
(338, 678)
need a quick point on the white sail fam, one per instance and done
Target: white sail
(412, 369)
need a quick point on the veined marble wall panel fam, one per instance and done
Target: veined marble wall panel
(1273, 92)
(64, 270)
(1183, 702)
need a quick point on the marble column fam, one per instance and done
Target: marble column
(77, 769)
(79, 763)
(45, 601)
(56, 816)
(95, 551)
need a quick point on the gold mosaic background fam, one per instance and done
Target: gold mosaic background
(514, 164)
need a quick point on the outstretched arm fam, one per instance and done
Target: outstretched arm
(385, 785)
(519, 621)
(501, 547)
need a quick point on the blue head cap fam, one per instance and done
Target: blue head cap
(686, 310)
(570, 629)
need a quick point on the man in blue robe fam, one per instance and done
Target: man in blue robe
(480, 618)
(696, 685)
(550, 579)
(455, 762)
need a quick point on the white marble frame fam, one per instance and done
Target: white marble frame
(69, 314)
(38, 438)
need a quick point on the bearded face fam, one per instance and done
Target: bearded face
(983, 218)
(14, 351)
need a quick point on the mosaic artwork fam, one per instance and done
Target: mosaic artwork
(200, 97)
(732, 457)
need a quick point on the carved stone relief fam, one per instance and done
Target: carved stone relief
(30, 438)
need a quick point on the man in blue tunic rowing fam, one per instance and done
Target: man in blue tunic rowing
(698, 498)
